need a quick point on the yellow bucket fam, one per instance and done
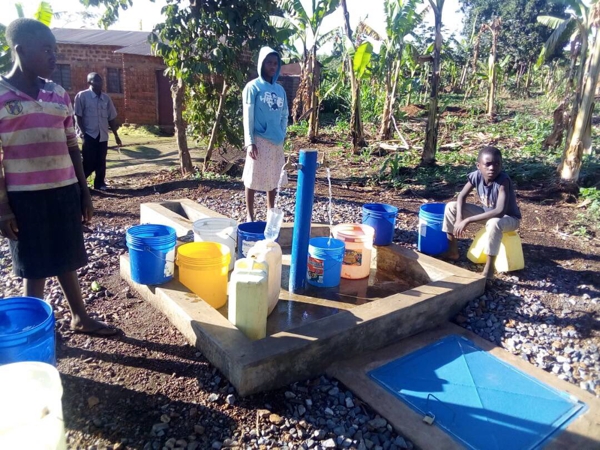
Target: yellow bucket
(510, 256)
(203, 269)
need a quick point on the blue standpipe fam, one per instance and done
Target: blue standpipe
(305, 195)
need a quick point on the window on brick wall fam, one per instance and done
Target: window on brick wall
(113, 81)
(62, 75)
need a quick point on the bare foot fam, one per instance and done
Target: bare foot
(94, 328)
(488, 270)
(450, 255)
(488, 273)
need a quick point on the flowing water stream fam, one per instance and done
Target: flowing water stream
(329, 205)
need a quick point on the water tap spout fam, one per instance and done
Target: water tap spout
(289, 165)
(323, 162)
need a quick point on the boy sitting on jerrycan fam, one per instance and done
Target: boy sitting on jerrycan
(500, 212)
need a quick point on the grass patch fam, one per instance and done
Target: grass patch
(141, 130)
(587, 221)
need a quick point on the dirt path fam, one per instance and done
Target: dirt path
(140, 157)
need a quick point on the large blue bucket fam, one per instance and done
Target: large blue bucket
(249, 233)
(151, 253)
(432, 240)
(26, 331)
(325, 258)
(382, 218)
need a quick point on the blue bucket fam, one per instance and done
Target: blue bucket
(26, 331)
(382, 218)
(325, 258)
(432, 240)
(249, 233)
(151, 253)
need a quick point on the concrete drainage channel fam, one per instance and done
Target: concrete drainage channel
(340, 332)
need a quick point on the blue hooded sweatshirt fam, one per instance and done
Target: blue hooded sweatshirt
(265, 106)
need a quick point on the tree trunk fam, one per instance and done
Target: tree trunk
(299, 104)
(560, 123)
(384, 131)
(492, 72)
(314, 79)
(356, 126)
(575, 52)
(178, 94)
(431, 136)
(215, 129)
(391, 84)
(581, 72)
(572, 157)
(463, 76)
(519, 75)
(528, 80)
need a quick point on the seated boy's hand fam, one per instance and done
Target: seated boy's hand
(9, 229)
(87, 209)
(460, 228)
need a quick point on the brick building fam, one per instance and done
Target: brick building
(133, 78)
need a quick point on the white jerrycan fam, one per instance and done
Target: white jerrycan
(31, 409)
(269, 252)
(248, 299)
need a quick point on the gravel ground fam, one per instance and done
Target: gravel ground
(191, 405)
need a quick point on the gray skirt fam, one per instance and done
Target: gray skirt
(50, 232)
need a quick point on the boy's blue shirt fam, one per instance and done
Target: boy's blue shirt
(265, 106)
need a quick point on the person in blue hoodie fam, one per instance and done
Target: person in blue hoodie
(265, 127)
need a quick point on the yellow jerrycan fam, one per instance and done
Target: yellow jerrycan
(269, 252)
(248, 297)
(510, 256)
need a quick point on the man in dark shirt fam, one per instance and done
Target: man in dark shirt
(95, 112)
(500, 211)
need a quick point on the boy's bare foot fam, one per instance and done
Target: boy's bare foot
(450, 255)
(488, 270)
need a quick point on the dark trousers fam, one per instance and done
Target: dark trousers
(94, 159)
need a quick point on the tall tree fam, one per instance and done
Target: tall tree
(523, 35)
(494, 28)
(431, 134)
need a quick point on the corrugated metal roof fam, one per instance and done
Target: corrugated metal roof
(130, 42)
(144, 49)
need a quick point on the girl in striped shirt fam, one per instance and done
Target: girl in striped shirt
(43, 191)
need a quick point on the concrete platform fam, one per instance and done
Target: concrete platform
(582, 433)
(306, 333)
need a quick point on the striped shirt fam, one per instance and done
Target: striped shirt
(35, 136)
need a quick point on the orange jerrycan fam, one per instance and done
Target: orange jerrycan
(510, 256)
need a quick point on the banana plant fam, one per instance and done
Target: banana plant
(401, 20)
(306, 28)
(431, 131)
(576, 29)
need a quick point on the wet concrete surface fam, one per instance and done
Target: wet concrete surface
(314, 303)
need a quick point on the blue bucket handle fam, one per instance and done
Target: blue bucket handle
(151, 251)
